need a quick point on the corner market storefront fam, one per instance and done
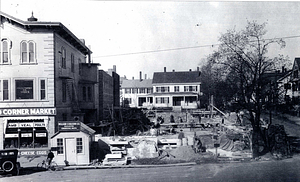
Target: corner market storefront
(27, 129)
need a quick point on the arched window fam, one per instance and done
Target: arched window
(31, 52)
(24, 52)
(5, 51)
(28, 52)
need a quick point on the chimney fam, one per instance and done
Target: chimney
(145, 76)
(173, 70)
(115, 68)
(141, 76)
(165, 69)
(198, 68)
(190, 69)
(132, 78)
(282, 69)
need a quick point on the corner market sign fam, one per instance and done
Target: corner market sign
(27, 111)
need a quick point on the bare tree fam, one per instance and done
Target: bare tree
(243, 56)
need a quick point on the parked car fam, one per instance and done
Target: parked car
(8, 162)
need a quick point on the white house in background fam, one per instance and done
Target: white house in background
(137, 93)
(179, 90)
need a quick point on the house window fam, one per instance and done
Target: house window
(5, 52)
(5, 90)
(84, 93)
(42, 89)
(296, 74)
(158, 89)
(80, 67)
(149, 90)
(27, 52)
(127, 90)
(176, 88)
(142, 90)
(134, 90)
(72, 63)
(64, 91)
(89, 94)
(24, 89)
(24, 52)
(162, 100)
(60, 146)
(73, 92)
(63, 58)
(31, 52)
(79, 145)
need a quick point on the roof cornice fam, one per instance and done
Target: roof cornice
(47, 25)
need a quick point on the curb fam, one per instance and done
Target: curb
(127, 166)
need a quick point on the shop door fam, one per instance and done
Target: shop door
(71, 150)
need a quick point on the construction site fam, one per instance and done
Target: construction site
(136, 136)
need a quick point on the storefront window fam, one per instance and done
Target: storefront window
(24, 89)
(79, 145)
(26, 134)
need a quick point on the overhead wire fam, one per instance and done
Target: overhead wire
(182, 48)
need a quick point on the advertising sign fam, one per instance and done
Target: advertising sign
(27, 111)
(69, 126)
(25, 125)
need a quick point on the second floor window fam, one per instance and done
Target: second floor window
(84, 93)
(176, 88)
(190, 88)
(72, 63)
(127, 90)
(4, 56)
(89, 92)
(296, 74)
(24, 89)
(142, 90)
(42, 89)
(64, 91)
(4, 90)
(28, 52)
(63, 58)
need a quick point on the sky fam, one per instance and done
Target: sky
(147, 36)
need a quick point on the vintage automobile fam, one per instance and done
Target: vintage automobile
(8, 162)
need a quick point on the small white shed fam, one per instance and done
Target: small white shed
(72, 143)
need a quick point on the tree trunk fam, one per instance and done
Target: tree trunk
(255, 141)
(256, 135)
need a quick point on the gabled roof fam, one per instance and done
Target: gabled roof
(297, 61)
(147, 83)
(36, 26)
(176, 77)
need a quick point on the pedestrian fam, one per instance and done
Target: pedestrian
(181, 136)
(50, 157)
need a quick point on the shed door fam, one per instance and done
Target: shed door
(71, 150)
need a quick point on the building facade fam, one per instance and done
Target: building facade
(41, 82)
(109, 93)
(176, 90)
(137, 93)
